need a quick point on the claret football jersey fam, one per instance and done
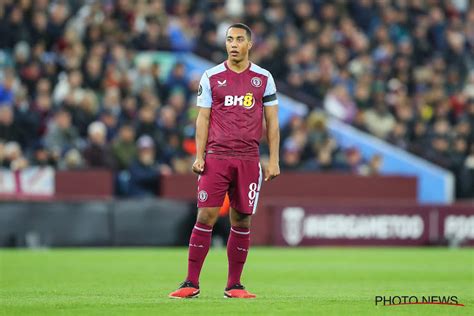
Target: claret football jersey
(236, 101)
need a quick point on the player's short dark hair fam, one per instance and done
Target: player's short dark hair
(242, 26)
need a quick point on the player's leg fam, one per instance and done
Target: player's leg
(212, 186)
(237, 245)
(237, 250)
(244, 199)
(200, 242)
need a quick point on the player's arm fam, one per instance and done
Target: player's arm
(270, 104)
(202, 129)
(273, 136)
(204, 102)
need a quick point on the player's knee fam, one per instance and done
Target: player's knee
(245, 223)
(239, 220)
(208, 216)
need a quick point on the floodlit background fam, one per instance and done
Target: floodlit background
(97, 126)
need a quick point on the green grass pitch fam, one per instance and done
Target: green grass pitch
(304, 281)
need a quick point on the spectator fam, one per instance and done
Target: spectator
(124, 147)
(146, 124)
(439, 151)
(324, 159)
(111, 123)
(61, 134)
(112, 100)
(373, 167)
(7, 88)
(14, 158)
(128, 112)
(317, 131)
(9, 129)
(398, 135)
(379, 121)
(44, 112)
(97, 153)
(167, 124)
(85, 112)
(144, 171)
(153, 38)
(339, 104)
(69, 84)
(291, 157)
(38, 30)
(72, 160)
(466, 182)
(354, 161)
(93, 73)
(26, 119)
(177, 78)
(143, 78)
(42, 157)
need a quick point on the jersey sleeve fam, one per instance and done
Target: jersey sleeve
(269, 96)
(204, 95)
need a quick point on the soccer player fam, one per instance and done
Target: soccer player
(233, 97)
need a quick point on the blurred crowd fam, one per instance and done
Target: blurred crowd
(402, 70)
(72, 94)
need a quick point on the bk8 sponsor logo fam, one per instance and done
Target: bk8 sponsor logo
(247, 101)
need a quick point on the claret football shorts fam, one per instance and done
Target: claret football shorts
(240, 177)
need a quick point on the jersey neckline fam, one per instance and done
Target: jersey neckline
(235, 72)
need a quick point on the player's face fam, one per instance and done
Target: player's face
(237, 44)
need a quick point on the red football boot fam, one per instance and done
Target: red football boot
(186, 290)
(238, 291)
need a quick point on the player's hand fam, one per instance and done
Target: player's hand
(165, 170)
(198, 165)
(272, 171)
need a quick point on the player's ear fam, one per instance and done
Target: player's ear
(250, 44)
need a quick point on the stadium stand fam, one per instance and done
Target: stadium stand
(73, 95)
